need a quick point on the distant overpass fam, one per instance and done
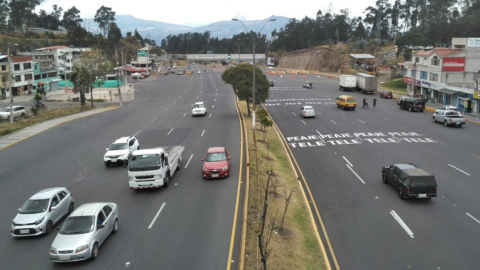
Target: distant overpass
(224, 57)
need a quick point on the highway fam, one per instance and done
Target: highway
(340, 155)
(195, 216)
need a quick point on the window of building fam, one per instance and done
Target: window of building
(16, 67)
(417, 59)
(423, 75)
(459, 46)
(18, 78)
(4, 68)
(28, 77)
(435, 61)
(413, 73)
(27, 65)
(35, 57)
(37, 77)
(434, 77)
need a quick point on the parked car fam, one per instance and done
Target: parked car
(216, 163)
(452, 108)
(307, 111)
(42, 211)
(386, 94)
(120, 150)
(410, 181)
(449, 118)
(271, 83)
(84, 231)
(137, 76)
(346, 102)
(308, 85)
(411, 104)
(18, 111)
(199, 108)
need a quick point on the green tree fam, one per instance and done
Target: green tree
(104, 17)
(4, 13)
(71, 19)
(114, 33)
(266, 123)
(22, 12)
(97, 64)
(82, 80)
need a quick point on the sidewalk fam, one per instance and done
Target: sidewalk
(20, 135)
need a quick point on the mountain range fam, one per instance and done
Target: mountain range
(157, 31)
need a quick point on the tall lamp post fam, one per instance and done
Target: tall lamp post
(10, 81)
(253, 81)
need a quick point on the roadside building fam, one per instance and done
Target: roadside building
(446, 75)
(143, 64)
(23, 75)
(49, 78)
(4, 71)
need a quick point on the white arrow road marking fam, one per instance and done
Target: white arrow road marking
(400, 221)
(156, 216)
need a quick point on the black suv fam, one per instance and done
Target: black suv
(411, 104)
(410, 181)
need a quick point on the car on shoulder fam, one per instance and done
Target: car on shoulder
(199, 108)
(18, 111)
(386, 94)
(120, 150)
(308, 85)
(307, 111)
(84, 231)
(272, 83)
(411, 104)
(42, 211)
(410, 181)
(346, 102)
(216, 163)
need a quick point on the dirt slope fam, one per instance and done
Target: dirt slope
(322, 59)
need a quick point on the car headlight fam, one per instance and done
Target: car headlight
(131, 179)
(53, 250)
(225, 168)
(157, 176)
(14, 224)
(39, 221)
(205, 169)
(81, 248)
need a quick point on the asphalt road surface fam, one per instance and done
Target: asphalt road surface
(341, 154)
(194, 228)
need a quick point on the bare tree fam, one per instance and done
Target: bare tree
(287, 196)
(276, 184)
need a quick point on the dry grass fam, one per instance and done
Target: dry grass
(296, 246)
(20, 123)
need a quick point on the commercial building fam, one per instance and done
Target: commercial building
(447, 76)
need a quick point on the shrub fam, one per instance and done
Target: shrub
(34, 110)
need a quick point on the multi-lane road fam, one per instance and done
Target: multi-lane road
(194, 228)
(340, 155)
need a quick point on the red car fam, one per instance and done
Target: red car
(216, 163)
(386, 94)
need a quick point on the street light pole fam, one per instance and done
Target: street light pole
(253, 68)
(118, 80)
(10, 83)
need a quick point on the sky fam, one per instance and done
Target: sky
(203, 12)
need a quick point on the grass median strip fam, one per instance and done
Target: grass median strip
(289, 240)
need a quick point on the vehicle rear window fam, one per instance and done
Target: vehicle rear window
(308, 109)
(417, 101)
(422, 182)
(351, 100)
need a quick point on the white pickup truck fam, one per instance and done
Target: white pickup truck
(449, 118)
(153, 168)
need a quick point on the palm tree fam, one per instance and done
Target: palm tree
(81, 79)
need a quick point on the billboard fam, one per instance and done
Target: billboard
(270, 61)
(408, 80)
(142, 53)
(473, 42)
(453, 64)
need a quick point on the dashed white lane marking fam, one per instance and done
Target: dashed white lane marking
(215, 99)
(175, 102)
(200, 92)
(475, 156)
(458, 169)
(136, 133)
(478, 221)
(385, 119)
(294, 114)
(342, 112)
(403, 126)
(360, 121)
(170, 131)
(186, 165)
(165, 109)
(180, 96)
(333, 122)
(184, 114)
(348, 161)
(210, 116)
(213, 106)
(203, 132)
(303, 122)
(355, 174)
(400, 221)
(319, 113)
(443, 142)
(156, 216)
(154, 119)
(197, 97)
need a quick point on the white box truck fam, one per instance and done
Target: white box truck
(347, 82)
(366, 83)
(153, 168)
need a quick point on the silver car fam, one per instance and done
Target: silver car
(84, 231)
(42, 211)
(307, 111)
(199, 108)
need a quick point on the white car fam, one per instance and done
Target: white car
(42, 211)
(199, 108)
(307, 111)
(84, 231)
(452, 108)
(199, 72)
(17, 112)
(121, 150)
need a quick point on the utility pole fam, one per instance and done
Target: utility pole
(10, 83)
(118, 80)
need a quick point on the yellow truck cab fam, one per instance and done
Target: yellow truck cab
(346, 102)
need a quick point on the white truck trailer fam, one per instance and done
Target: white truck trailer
(347, 82)
(366, 83)
(153, 168)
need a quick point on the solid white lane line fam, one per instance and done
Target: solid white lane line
(319, 113)
(203, 132)
(186, 165)
(333, 122)
(136, 133)
(348, 161)
(210, 116)
(156, 216)
(443, 142)
(361, 121)
(355, 173)
(475, 156)
(184, 114)
(294, 114)
(478, 221)
(154, 119)
(458, 169)
(170, 131)
(400, 221)
(303, 122)
(213, 106)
